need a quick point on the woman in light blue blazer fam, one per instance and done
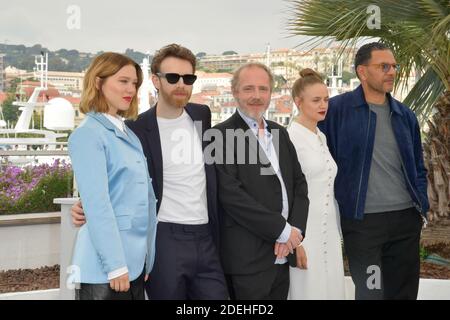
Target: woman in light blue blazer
(115, 249)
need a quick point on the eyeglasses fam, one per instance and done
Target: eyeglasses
(385, 67)
(173, 78)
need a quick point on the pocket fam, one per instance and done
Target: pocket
(421, 219)
(123, 222)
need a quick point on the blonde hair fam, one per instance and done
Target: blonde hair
(237, 73)
(105, 65)
(307, 77)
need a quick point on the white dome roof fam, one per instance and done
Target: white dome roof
(61, 103)
(59, 115)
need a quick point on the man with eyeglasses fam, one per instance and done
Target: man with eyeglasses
(187, 264)
(381, 184)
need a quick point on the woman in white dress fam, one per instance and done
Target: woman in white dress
(319, 273)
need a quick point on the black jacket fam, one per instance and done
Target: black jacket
(251, 202)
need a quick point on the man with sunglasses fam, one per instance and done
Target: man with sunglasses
(381, 184)
(187, 264)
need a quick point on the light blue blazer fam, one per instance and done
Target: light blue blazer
(118, 200)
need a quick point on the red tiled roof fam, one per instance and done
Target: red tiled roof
(284, 104)
(43, 95)
(200, 98)
(3, 96)
(72, 100)
(30, 83)
(229, 104)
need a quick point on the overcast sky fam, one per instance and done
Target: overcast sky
(212, 26)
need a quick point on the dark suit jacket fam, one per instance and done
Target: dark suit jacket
(251, 203)
(146, 128)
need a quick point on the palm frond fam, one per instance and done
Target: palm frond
(424, 94)
(417, 31)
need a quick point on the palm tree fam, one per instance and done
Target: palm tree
(326, 64)
(418, 33)
(316, 61)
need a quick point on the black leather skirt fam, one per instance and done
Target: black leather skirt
(102, 291)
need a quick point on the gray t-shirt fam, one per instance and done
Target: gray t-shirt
(387, 189)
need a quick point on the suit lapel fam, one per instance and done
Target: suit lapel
(198, 120)
(252, 142)
(154, 144)
(284, 160)
(110, 126)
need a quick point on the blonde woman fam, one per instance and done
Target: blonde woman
(319, 273)
(115, 249)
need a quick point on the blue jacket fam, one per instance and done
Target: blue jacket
(118, 201)
(350, 130)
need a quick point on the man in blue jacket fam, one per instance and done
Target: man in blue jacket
(381, 185)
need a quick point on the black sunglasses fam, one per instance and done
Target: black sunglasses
(173, 78)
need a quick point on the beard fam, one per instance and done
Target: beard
(382, 87)
(256, 114)
(175, 101)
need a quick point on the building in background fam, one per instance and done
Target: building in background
(67, 83)
(2, 74)
(286, 63)
(213, 85)
(211, 81)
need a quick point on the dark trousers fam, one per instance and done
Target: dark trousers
(102, 291)
(383, 254)
(187, 265)
(271, 284)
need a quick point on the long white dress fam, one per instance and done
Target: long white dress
(324, 278)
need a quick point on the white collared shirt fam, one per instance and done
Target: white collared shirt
(117, 121)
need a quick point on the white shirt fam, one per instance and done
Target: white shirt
(184, 199)
(117, 121)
